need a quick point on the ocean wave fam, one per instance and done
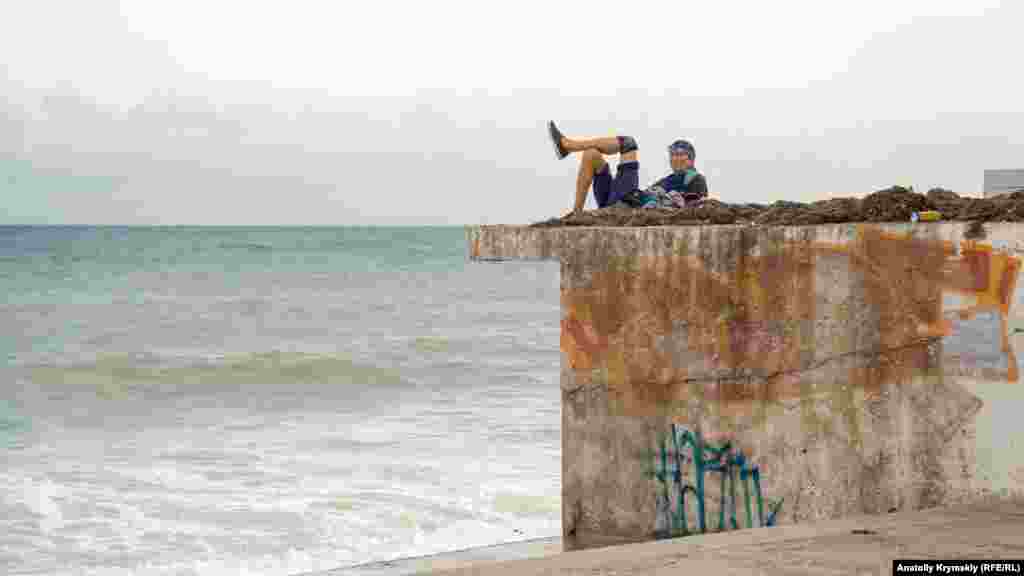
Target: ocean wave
(431, 344)
(12, 426)
(526, 504)
(250, 246)
(115, 374)
(292, 560)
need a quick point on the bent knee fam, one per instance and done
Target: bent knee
(594, 158)
(627, 144)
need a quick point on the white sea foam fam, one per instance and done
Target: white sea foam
(42, 498)
(292, 561)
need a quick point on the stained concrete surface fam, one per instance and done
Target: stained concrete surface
(737, 376)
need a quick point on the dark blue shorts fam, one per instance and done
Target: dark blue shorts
(608, 190)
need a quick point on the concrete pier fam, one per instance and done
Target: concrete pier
(727, 377)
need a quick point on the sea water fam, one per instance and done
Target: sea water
(198, 400)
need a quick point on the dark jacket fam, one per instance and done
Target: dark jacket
(691, 184)
(676, 190)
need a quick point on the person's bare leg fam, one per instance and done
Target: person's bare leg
(591, 162)
(606, 145)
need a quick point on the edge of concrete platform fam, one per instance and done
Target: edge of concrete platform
(521, 550)
(505, 242)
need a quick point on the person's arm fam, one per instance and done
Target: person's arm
(697, 190)
(700, 186)
(662, 183)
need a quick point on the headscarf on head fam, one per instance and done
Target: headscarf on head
(683, 146)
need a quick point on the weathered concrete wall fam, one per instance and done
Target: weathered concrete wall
(723, 377)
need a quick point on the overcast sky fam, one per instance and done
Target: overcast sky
(386, 112)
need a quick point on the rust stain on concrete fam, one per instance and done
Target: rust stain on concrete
(475, 248)
(742, 334)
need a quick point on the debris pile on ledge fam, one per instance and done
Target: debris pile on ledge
(895, 204)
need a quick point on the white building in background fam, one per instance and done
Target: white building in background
(1001, 181)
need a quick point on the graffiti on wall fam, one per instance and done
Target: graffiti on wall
(685, 464)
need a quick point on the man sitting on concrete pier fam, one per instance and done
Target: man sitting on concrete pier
(683, 187)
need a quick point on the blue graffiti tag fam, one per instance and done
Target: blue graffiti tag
(672, 460)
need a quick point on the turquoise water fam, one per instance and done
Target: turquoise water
(198, 400)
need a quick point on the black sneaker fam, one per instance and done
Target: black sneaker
(556, 139)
